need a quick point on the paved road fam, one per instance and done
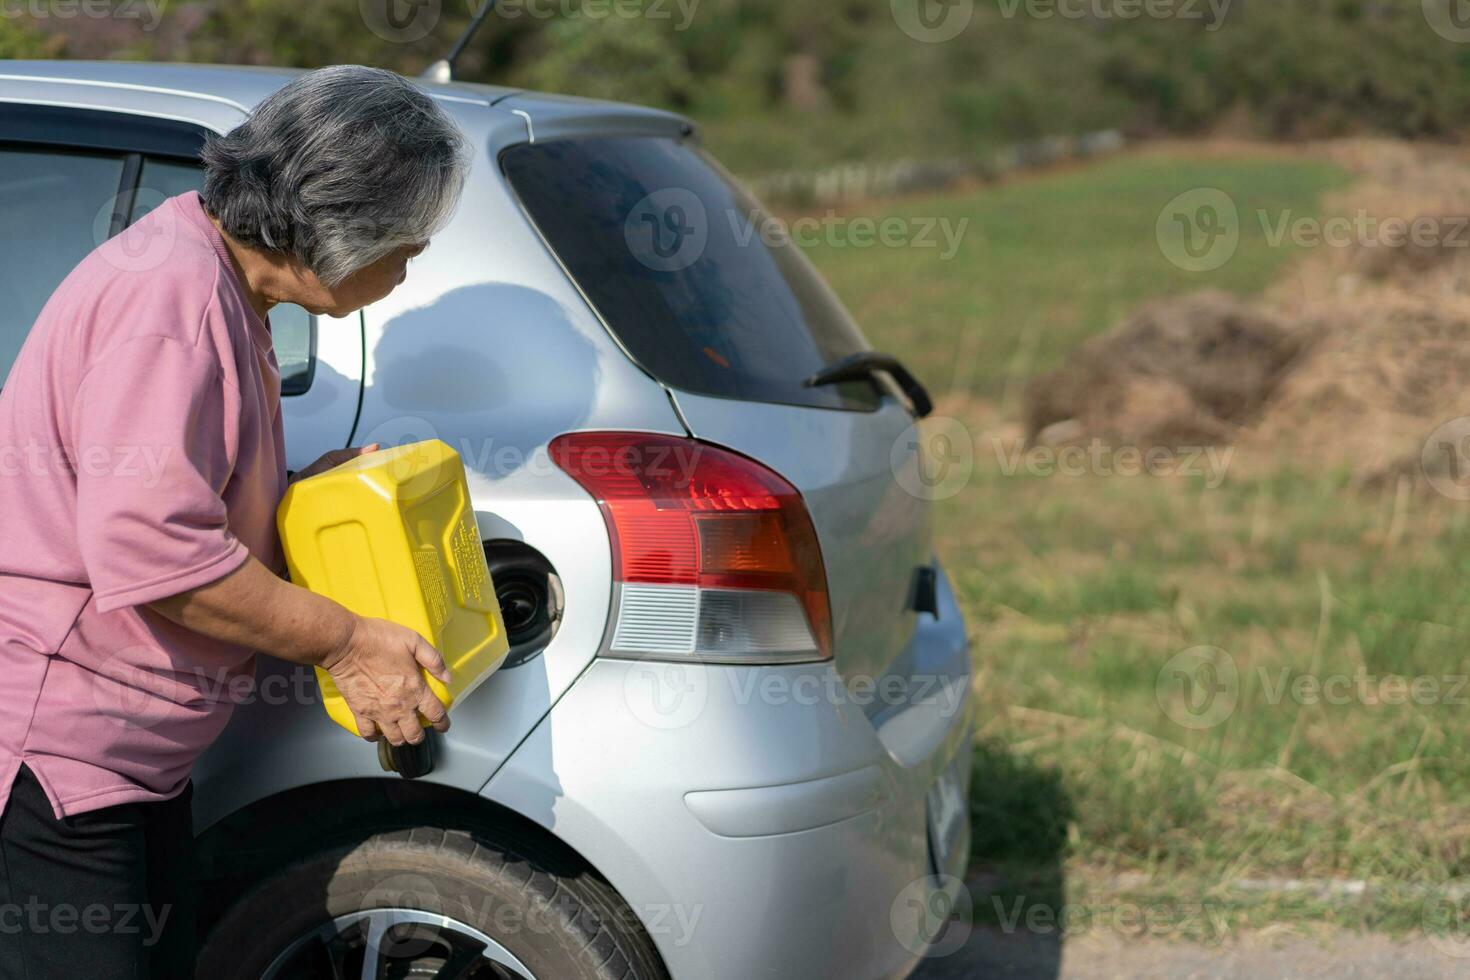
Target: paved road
(990, 953)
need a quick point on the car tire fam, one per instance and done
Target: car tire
(557, 917)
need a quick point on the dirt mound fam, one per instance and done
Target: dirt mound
(1355, 357)
(1382, 375)
(1360, 383)
(1406, 250)
(1404, 223)
(1189, 370)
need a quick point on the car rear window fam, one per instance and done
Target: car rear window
(687, 270)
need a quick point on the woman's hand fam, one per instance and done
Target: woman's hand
(375, 664)
(334, 459)
(378, 672)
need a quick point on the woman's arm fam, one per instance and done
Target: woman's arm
(375, 663)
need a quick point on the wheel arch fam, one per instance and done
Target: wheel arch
(243, 848)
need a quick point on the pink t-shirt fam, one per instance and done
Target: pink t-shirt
(141, 456)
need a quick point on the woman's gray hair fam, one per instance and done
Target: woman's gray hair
(339, 168)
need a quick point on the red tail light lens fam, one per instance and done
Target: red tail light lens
(685, 515)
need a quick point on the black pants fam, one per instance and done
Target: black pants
(106, 895)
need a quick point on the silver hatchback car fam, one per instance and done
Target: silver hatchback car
(732, 739)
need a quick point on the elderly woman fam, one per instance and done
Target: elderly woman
(130, 612)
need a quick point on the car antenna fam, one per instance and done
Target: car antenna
(443, 69)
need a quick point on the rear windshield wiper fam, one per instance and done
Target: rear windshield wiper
(863, 365)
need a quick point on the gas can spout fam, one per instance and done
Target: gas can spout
(409, 761)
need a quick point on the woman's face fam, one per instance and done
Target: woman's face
(359, 289)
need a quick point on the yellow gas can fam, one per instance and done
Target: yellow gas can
(392, 535)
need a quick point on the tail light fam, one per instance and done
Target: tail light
(715, 555)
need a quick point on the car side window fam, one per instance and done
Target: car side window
(56, 206)
(51, 205)
(292, 328)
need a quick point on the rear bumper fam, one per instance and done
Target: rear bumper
(762, 822)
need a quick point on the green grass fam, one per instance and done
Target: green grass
(1072, 631)
(1079, 590)
(1046, 262)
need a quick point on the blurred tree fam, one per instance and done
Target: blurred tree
(20, 40)
(628, 59)
(782, 83)
(817, 41)
(283, 32)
